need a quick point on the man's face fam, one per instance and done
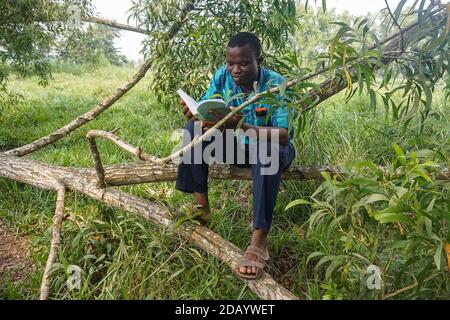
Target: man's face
(243, 65)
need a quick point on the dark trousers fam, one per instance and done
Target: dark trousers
(266, 166)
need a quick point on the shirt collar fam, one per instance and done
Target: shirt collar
(237, 89)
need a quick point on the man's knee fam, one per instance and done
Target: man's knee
(189, 129)
(271, 158)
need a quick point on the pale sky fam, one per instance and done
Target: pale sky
(130, 42)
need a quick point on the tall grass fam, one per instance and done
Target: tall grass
(125, 257)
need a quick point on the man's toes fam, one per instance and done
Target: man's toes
(254, 270)
(243, 270)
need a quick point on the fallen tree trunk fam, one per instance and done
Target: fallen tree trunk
(153, 171)
(84, 181)
(144, 172)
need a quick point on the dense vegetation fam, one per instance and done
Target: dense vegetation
(330, 233)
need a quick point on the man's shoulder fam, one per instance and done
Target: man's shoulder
(221, 72)
(221, 77)
(271, 76)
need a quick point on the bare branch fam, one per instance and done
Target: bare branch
(145, 172)
(412, 286)
(115, 24)
(122, 144)
(97, 161)
(92, 134)
(56, 237)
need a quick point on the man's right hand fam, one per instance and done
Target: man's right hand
(186, 110)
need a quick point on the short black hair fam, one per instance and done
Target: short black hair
(243, 38)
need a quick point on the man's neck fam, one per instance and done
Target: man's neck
(247, 88)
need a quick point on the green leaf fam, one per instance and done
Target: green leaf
(314, 255)
(373, 99)
(426, 153)
(421, 173)
(428, 226)
(176, 274)
(349, 240)
(438, 255)
(100, 258)
(316, 216)
(427, 90)
(333, 265)
(398, 10)
(400, 154)
(324, 5)
(282, 88)
(373, 198)
(430, 205)
(326, 176)
(393, 217)
(296, 203)
(324, 260)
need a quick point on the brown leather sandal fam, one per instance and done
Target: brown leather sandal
(261, 259)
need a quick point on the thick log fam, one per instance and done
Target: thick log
(84, 181)
(145, 172)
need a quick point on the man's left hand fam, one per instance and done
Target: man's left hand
(231, 123)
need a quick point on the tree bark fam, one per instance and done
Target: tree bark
(144, 172)
(56, 238)
(115, 24)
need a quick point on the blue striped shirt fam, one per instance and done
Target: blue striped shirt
(222, 84)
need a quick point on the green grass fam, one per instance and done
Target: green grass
(124, 256)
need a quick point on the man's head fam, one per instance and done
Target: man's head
(243, 58)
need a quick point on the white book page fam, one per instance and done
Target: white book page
(190, 102)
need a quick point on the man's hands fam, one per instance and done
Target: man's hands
(186, 110)
(229, 124)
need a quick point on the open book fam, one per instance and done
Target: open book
(201, 110)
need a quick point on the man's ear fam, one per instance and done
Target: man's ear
(259, 60)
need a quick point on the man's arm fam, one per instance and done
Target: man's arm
(267, 133)
(213, 89)
(262, 132)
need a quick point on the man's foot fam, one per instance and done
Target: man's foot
(257, 254)
(199, 212)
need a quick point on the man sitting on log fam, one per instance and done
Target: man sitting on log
(264, 142)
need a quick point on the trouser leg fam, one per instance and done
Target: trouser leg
(266, 181)
(192, 173)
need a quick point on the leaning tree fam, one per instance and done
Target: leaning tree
(184, 40)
